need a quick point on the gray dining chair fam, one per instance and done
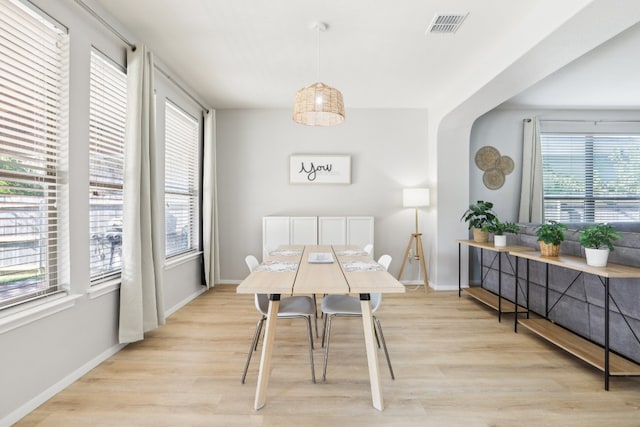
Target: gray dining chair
(292, 307)
(348, 306)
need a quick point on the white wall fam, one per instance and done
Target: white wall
(505, 134)
(451, 121)
(388, 151)
(502, 128)
(40, 356)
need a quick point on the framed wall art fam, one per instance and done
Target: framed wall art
(319, 169)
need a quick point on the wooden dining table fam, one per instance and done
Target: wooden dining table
(289, 271)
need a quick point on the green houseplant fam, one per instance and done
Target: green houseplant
(478, 215)
(597, 241)
(499, 229)
(550, 236)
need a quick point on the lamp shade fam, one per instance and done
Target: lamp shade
(318, 105)
(415, 197)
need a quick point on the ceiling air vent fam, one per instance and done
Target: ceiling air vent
(446, 23)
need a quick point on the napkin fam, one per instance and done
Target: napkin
(278, 266)
(351, 252)
(362, 266)
(286, 252)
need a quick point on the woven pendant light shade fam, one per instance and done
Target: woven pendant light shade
(318, 105)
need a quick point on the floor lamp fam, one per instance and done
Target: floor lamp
(415, 198)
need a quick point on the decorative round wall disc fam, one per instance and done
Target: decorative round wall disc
(493, 179)
(505, 164)
(486, 157)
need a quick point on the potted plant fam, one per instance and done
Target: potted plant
(550, 235)
(597, 241)
(499, 229)
(478, 215)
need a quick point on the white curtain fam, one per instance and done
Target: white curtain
(209, 202)
(531, 195)
(141, 298)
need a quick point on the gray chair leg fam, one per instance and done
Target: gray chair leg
(327, 331)
(256, 338)
(260, 325)
(315, 304)
(375, 332)
(315, 309)
(254, 346)
(324, 328)
(313, 371)
(384, 345)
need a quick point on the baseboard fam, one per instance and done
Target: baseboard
(25, 409)
(412, 282)
(228, 282)
(437, 287)
(185, 301)
(28, 407)
(31, 405)
(432, 285)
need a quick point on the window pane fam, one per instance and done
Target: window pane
(179, 223)
(107, 118)
(563, 165)
(591, 177)
(181, 181)
(32, 82)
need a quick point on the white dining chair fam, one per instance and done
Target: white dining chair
(368, 248)
(298, 306)
(347, 306)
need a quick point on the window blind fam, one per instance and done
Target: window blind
(591, 177)
(181, 183)
(33, 84)
(107, 117)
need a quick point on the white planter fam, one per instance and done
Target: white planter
(597, 257)
(500, 240)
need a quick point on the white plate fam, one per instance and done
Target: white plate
(320, 258)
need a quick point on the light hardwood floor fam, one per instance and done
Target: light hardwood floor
(454, 365)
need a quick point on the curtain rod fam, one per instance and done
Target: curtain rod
(133, 46)
(105, 23)
(179, 86)
(590, 121)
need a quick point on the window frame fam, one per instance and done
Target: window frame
(113, 234)
(593, 202)
(35, 103)
(192, 194)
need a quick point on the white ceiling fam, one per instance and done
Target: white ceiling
(608, 76)
(258, 53)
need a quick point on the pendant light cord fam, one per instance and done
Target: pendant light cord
(318, 29)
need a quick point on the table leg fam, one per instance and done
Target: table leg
(606, 333)
(500, 287)
(546, 292)
(515, 317)
(481, 265)
(267, 346)
(372, 354)
(459, 273)
(528, 299)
